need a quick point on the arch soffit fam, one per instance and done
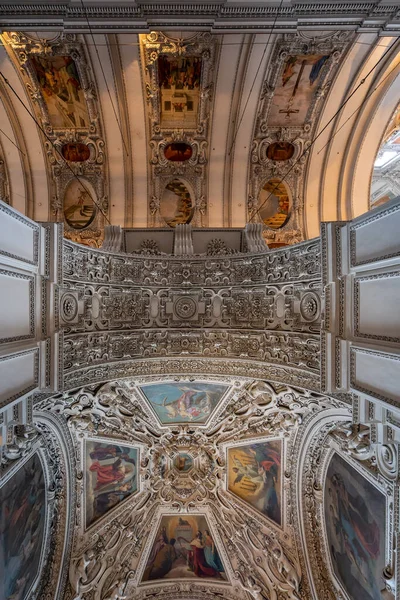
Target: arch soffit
(342, 171)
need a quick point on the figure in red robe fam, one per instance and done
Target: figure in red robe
(108, 474)
(200, 566)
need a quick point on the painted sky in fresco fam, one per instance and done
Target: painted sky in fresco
(185, 402)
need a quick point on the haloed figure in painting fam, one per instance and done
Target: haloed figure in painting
(255, 475)
(184, 548)
(111, 477)
(355, 520)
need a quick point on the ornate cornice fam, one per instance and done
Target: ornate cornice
(217, 16)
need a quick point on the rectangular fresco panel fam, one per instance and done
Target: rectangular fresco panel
(179, 81)
(111, 476)
(295, 89)
(255, 475)
(184, 549)
(60, 84)
(184, 402)
(22, 523)
(355, 525)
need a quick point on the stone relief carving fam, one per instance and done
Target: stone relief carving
(90, 171)
(301, 263)
(263, 168)
(262, 559)
(122, 308)
(194, 134)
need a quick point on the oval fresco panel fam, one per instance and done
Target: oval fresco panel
(275, 211)
(280, 151)
(178, 152)
(79, 207)
(176, 204)
(75, 152)
(355, 515)
(23, 519)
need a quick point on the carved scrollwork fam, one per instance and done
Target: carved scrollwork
(109, 558)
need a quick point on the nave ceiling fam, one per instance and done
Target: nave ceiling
(172, 127)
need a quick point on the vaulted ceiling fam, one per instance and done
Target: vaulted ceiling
(262, 108)
(190, 452)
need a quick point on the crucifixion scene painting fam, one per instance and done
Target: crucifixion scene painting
(184, 548)
(295, 89)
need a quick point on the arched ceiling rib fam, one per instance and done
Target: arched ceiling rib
(331, 172)
(229, 174)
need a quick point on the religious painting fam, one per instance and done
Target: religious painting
(183, 462)
(111, 476)
(184, 549)
(273, 201)
(79, 204)
(355, 514)
(280, 151)
(295, 89)
(22, 523)
(178, 152)
(176, 204)
(179, 81)
(75, 152)
(61, 86)
(255, 476)
(184, 402)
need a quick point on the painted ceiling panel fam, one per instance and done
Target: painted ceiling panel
(243, 100)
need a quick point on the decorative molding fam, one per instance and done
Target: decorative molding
(31, 301)
(353, 373)
(356, 306)
(292, 170)
(92, 170)
(28, 223)
(380, 214)
(20, 393)
(217, 16)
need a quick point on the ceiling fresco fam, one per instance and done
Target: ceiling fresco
(181, 508)
(296, 80)
(23, 520)
(134, 114)
(62, 91)
(183, 403)
(179, 79)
